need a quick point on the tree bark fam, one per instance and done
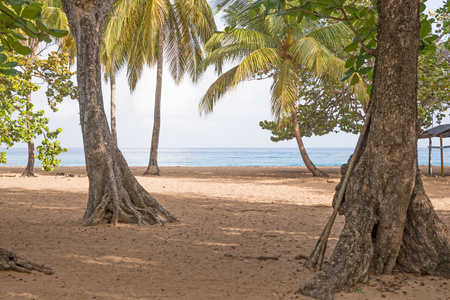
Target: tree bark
(389, 221)
(10, 262)
(29, 170)
(309, 164)
(112, 81)
(114, 193)
(153, 168)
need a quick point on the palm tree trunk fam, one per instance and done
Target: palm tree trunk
(309, 164)
(153, 168)
(112, 81)
(29, 170)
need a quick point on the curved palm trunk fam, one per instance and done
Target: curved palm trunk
(112, 81)
(389, 221)
(153, 168)
(29, 170)
(114, 193)
(309, 164)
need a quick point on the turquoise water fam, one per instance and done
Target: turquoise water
(218, 157)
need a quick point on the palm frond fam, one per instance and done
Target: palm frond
(284, 90)
(334, 36)
(220, 87)
(259, 62)
(245, 37)
(312, 55)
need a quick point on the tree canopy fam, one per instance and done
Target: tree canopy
(19, 122)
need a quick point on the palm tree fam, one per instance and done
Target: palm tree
(274, 48)
(113, 52)
(167, 30)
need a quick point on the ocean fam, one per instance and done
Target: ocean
(219, 157)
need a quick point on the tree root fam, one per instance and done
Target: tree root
(121, 199)
(10, 262)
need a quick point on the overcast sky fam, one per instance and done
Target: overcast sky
(234, 122)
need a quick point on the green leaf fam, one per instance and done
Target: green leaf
(355, 79)
(425, 28)
(294, 12)
(32, 11)
(365, 70)
(8, 71)
(10, 64)
(44, 38)
(350, 61)
(350, 71)
(3, 58)
(17, 9)
(360, 61)
(21, 49)
(422, 7)
(352, 47)
(16, 2)
(369, 21)
(18, 36)
(41, 26)
(347, 76)
(350, 9)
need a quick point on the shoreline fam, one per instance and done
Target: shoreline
(281, 171)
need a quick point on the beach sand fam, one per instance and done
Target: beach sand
(240, 233)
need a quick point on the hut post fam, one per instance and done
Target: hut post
(442, 157)
(430, 147)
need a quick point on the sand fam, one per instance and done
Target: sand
(240, 233)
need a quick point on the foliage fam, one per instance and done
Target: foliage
(187, 26)
(283, 51)
(325, 106)
(19, 122)
(434, 91)
(360, 16)
(20, 19)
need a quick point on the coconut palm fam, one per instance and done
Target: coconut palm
(113, 51)
(173, 31)
(271, 47)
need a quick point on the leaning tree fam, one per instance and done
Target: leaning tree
(390, 223)
(114, 193)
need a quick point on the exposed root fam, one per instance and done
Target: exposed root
(10, 262)
(321, 289)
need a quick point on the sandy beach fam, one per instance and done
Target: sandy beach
(241, 235)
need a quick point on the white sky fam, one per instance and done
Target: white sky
(234, 122)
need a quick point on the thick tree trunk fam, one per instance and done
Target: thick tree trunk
(10, 262)
(426, 246)
(29, 170)
(114, 193)
(389, 221)
(112, 81)
(153, 168)
(309, 164)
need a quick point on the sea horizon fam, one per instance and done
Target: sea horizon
(219, 157)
